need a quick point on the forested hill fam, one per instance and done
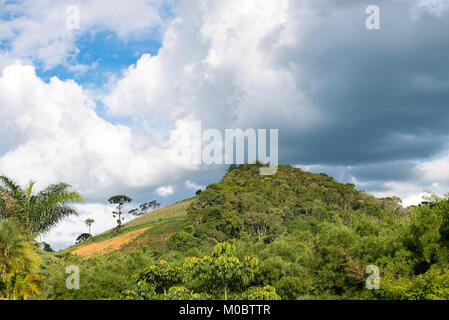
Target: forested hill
(292, 235)
(246, 203)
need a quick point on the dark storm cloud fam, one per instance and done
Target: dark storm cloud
(384, 94)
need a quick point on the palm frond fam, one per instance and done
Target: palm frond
(13, 189)
(51, 205)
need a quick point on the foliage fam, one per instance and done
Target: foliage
(103, 277)
(19, 262)
(182, 241)
(432, 285)
(83, 237)
(46, 247)
(145, 208)
(223, 269)
(119, 201)
(261, 293)
(313, 238)
(40, 212)
(161, 275)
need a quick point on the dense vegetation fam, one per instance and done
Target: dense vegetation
(23, 216)
(293, 235)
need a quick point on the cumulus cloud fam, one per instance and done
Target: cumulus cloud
(37, 29)
(51, 133)
(194, 186)
(164, 191)
(215, 61)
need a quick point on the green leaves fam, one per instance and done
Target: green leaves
(19, 262)
(222, 270)
(260, 293)
(161, 275)
(119, 201)
(39, 212)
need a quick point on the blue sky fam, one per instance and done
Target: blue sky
(106, 54)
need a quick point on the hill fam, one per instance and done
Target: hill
(314, 237)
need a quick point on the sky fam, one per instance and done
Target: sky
(102, 105)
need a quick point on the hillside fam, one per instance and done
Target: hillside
(313, 237)
(156, 220)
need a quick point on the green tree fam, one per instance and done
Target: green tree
(223, 269)
(119, 201)
(83, 237)
(261, 293)
(160, 276)
(19, 262)
(39, 212)
(144, 208)
(89, 223)
(21, 285)
(46, 247)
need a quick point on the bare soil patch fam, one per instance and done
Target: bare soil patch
(106, 246)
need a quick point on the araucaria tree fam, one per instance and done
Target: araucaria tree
(89, 223)
(119, 201)
(38, 212)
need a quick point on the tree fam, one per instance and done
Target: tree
(259, 223)
(18, 261)
(144, 208)
(46, 247)
(22, 285)
(223, 269)
(198, 192)
(83, 237)
(258, 293)
(161, 276)
(119, 201)
(39, 212)
(88, 223)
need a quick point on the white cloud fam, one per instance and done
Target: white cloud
(70, 228)
(216, 60)
(37, 29)
(194, 186)
(164, 191)
(51, 133)
(435, 170)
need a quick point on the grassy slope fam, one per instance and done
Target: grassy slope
(105, 276)
(163, 222)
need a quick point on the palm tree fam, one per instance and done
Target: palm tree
(16, 249)
(39, 212)
(21, 285)
(19, 263)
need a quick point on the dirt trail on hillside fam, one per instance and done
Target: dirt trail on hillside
(108, 245)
